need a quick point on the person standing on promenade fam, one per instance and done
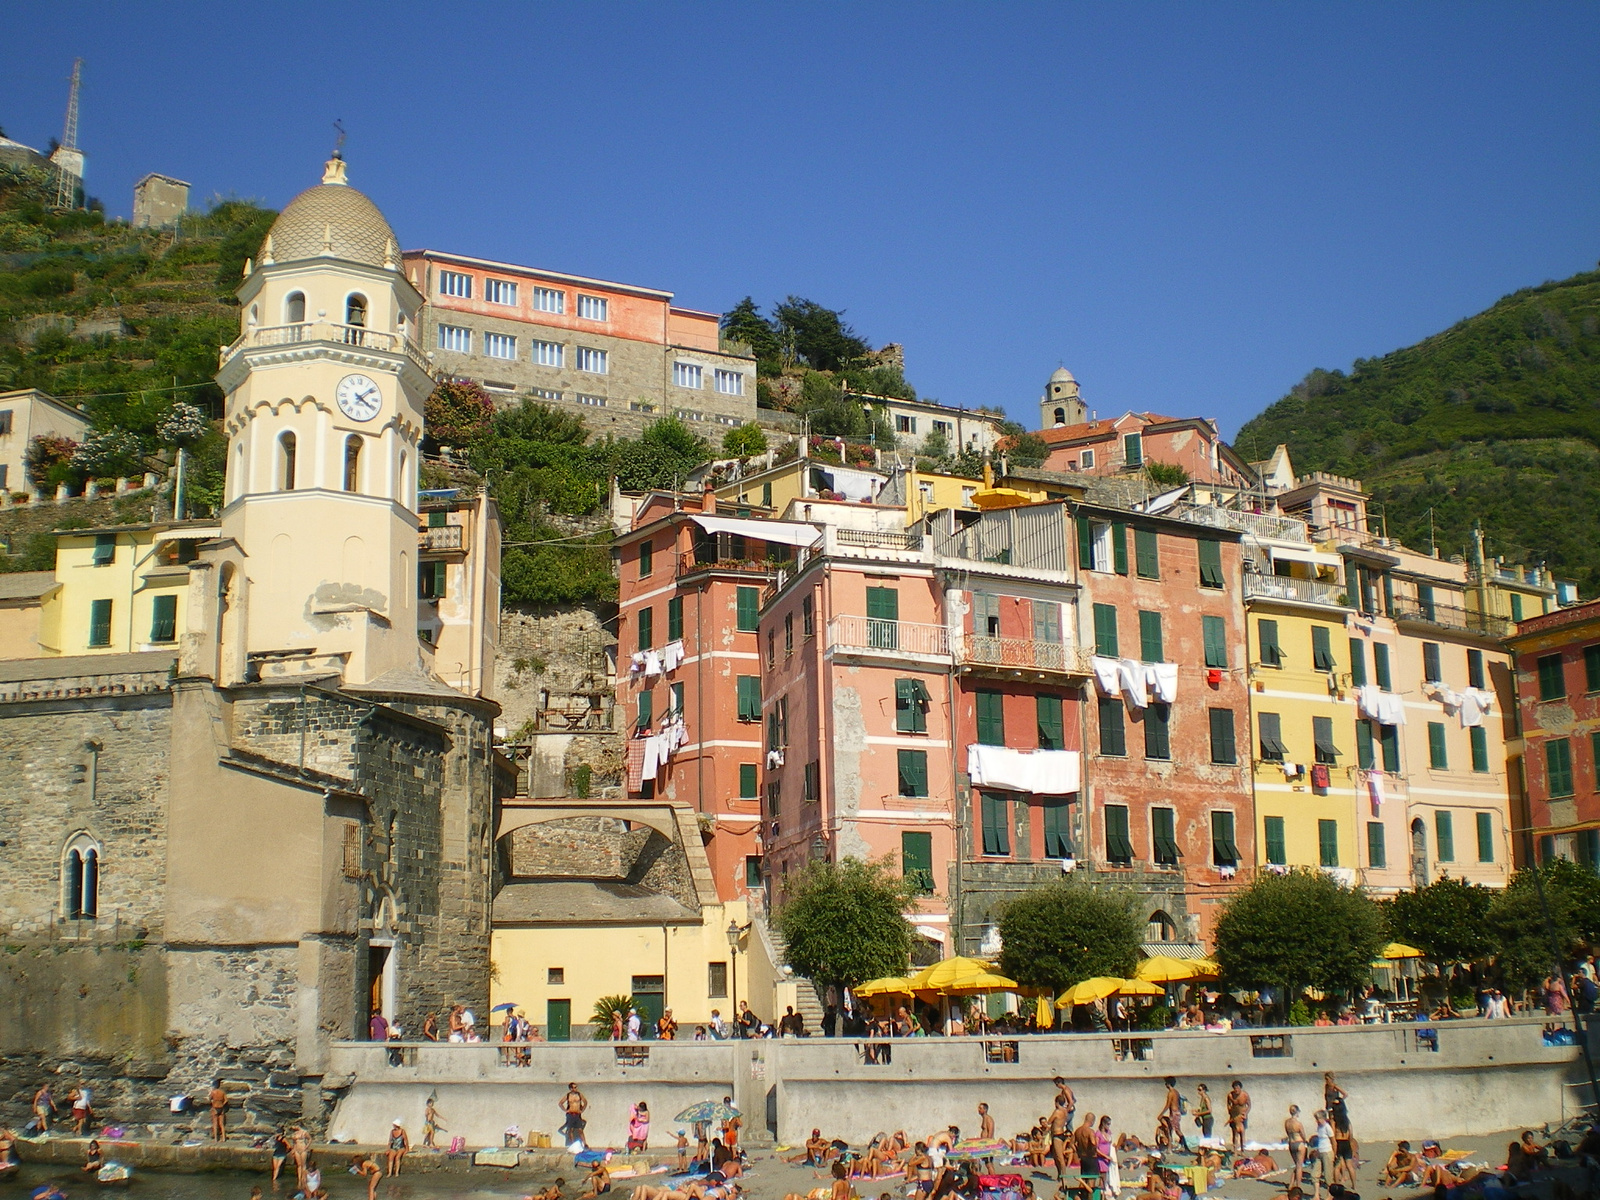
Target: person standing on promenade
(1061, 1129)
(1238, 1116)
(573, 1105)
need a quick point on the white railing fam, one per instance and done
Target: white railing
(874, 635)
(1022, 653)
(1283, 587)
(877, 539)
(1286, 529)
(327, 331)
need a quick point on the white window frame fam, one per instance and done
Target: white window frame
(688, 375)
(455, 283)
(451, 335)
(550, 300)
(1100, 547)
(593, 308)
(499, 345)
(904, 423)
(591, 401)
(729, 383)
(500, 291)
(549, 354)
(544, 393)
(593, 361)
(1086, 460)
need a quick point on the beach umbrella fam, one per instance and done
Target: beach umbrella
(949, 973)
(1401, 950)
(1163, 969)
(1041, 1012)
(889, 986)
(980, 985)
(506, 1007)
(1091, 990)
(1142, 987)
(708, 1111)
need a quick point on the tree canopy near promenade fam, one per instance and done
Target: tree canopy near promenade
(1066, 932)
(1296, 930)
(845, 921)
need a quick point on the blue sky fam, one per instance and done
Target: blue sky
(1190, 205)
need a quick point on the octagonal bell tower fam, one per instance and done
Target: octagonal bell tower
(325, 391)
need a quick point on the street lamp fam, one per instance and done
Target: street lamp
(733, 969)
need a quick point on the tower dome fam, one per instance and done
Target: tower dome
(1062, 375)
(334, 220)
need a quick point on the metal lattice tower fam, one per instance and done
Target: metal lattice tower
(68, 160)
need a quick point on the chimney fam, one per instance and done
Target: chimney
(708, 499)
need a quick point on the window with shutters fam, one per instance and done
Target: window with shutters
(1210, 563)
(1322, 740)
(1358, 663)
(749, 694)
(1046, 622)
(1478, 737)
(911, 701)
(1224, 850)
(916, 860)
(1377, 852)
(1552, 684)
(647, 704)
(1380, 666)
(1591, 668)
(164, 619)
(749, 789)
(1052, 728)
(1223, 748)
(748, 609)
(1425, 601)
(647, 630)
(808, 617)
(913, 772)
(432, 580)
(991, 718)
(1055, 814)
(1364, 755)
(811, 781)
(105, 549)
(1389, 738)
(1271, 727)
(1215, 633)
(1437, 758)
(1516, 607)
(1112, 739)
(996, 812)
(1157, 733)
(1119, 846)
(1322, 649)
(1270, 652)
(1444, 836)
(1105, 630)
(1272, 839)
(1146, 558)
(1475, 675)
(1164, 836)
(1558, 766)
(883, 618)
(985, 614)
(1151, 649)
(99, 622)
(772, 648)
(647, 559)
(1328, 843)
(1431, 671)
(1132, 450)
(674, 618)
(1485, 829)
(1119, 548)
(675, 700)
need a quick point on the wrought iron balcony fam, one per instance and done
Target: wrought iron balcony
(873, 635)
(1021, 654)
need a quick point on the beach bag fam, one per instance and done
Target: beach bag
(457, 1145)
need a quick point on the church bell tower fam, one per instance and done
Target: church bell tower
(325, 391)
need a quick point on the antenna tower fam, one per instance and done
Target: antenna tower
(68, 160)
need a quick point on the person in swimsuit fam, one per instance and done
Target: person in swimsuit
(1344, 1153)
(95, 1160)
(364, 1167)
(1061, 1131)
(1295, 1134)
(280, 1151)
(1238, 1115)
(1401, 1167)
(1202, 1110)
(399, 1143)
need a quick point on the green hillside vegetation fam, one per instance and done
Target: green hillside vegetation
(1496, 420)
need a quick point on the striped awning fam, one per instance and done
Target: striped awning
(1184, 950)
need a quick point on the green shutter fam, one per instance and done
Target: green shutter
(749, 693)
(1558, 766)
(674, 618)
(991, 718)
(910, 706)
(1267, 640)
(913, 772)
(748, 789)
(99, 622)
(1105, 630)
(996, 819)
(1377, 852)
(1475, 668)
(749, 609)
(1591, 669)
(1150, 647)
(647, 703)
(1444, 835)
(1215, 631)
(1272, 836)
(1358, 663)
(164, 619)
(1321, 649)
(1270, 727)
(1119, 846)
(1057, 821)
(1224, 850)
(1328, 843)
(1163, 836)
(1389, 735)
(1364, 755)
(766, 495)
(1485, 824)
(1430, 663)
(1111, 735)
(1552, 680)
(1437, 758)
(1223, 749)
(752, 871)
(1085, 544)
(1210, 563)
(1052, 735)
(647, 558)
(1322, 743)
(1380, 666)
(1479, 738)
(916, 859)
(1157, 740)
(1147, 561)
(647, 628)
(1119, 548)
(883, 617)
(1132, 450)
(1516, 607)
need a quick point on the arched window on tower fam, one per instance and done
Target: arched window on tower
(400, 481)
(294, 309)
(80, 878)
(286, 462)
(352, 463)
(1061, 416)
(355, 319)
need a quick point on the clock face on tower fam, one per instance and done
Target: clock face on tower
(358, 397)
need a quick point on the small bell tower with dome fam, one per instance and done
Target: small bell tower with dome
(325, 389)
(1061, 404)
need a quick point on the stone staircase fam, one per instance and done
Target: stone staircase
(808, 999)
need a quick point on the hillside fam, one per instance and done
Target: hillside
(1495, 420)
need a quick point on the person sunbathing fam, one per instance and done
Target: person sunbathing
(553, 1192)
(1038, 1145)
(1259, 1166)
(1401, 1167)
(817, 1151)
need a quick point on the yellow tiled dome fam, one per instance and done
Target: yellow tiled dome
(333, 220)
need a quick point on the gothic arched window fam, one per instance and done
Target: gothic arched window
(80, 878)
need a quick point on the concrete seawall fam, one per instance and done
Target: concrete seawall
(1469, 1078)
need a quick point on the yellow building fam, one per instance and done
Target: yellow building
(120, 589)
(773, 487)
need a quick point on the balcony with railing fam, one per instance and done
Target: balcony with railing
(1451, 616)
(875, 636)
(1268, 525)
(327, 332)
(440, 538)
(985, 653)
(1300, 591)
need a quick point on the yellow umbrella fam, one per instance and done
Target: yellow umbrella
(950, 973)
(1091, 990)
(1164, 969)
(884, 987)
(1142, 987)
(1041, 1012)
(980, 985)
(1401, 950)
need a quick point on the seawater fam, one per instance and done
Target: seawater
(236, 1185)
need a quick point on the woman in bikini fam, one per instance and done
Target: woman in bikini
(1295, 1134)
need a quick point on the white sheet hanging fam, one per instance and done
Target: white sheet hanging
(1163, 681)
(1105, 675)
(1130, 675)
(1475, 702)
(672, 655)
(1039, 772)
